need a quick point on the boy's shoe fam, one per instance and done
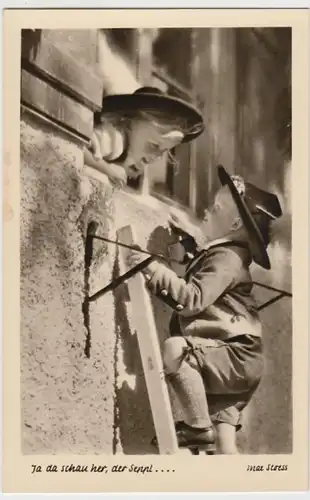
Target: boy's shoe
(178, 427)
(193, 438)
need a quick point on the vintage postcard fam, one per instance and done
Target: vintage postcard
(155, 251)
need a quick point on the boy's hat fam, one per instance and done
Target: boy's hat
(153, 99)
(251, 200)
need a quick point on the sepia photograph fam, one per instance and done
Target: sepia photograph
(155, 246)
(188, 124)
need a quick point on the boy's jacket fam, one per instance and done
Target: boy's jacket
(214, 299)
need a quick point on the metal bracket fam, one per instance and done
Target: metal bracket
(121, 279)
(90, 237)
(281, 294)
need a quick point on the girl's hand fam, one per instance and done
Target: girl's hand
(115, 173)
(185, 225)
(181, 222)
(118, 178)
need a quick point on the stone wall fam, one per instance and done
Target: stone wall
(67, 397)
(67, 381)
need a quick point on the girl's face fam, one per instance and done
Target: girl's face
(148, 143)
(221, 217)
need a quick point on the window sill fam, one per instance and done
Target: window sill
(145, 199)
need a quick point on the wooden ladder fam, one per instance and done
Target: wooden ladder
(144, 325)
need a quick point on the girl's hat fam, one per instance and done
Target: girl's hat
(251, 200)
(153, 99)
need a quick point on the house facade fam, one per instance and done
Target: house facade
(82, 384)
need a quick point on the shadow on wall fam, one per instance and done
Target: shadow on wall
(268, 422)
(264, 147)
(133, 416)
(268, 425)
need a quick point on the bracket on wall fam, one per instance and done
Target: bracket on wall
(90, 237)
(281, 294)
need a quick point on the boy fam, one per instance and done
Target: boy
(213, 360)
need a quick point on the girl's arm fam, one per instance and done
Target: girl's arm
(116, 174)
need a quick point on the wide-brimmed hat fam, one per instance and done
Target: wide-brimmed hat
(153, 99)
(251, 200)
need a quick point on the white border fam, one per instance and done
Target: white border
(13, 4)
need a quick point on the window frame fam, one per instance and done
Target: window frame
(145, 57)
(144, 186)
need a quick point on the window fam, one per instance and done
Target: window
(161, 58)
(169, 178)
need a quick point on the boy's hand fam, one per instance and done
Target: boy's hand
(134, 257)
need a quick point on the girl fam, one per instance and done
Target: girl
(135, 130)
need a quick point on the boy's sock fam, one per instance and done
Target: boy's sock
(188, 385)
(176, 407)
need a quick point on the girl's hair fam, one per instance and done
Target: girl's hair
(160, 120)
(263, 222)
(166, 121)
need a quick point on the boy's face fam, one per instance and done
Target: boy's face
(147, 144)
(220, 217)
